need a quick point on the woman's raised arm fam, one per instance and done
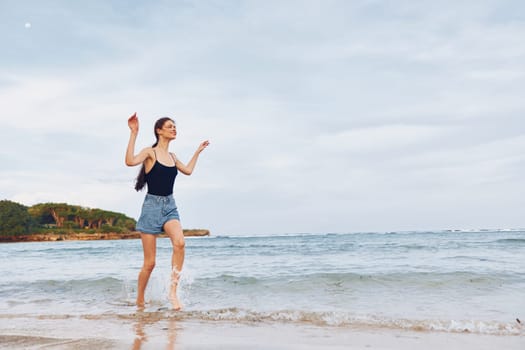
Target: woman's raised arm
(188, 169)
(131, 158)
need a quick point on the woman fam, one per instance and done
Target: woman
(159, 211)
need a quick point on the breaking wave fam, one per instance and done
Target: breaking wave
(298, 317)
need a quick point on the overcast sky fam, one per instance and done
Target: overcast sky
(323, 116)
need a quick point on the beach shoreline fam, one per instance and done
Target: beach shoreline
(82, 236)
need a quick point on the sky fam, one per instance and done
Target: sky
(322, 116)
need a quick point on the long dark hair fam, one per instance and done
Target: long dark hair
(141, 178)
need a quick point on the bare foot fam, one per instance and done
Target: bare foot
(175, 302)
(140, 304)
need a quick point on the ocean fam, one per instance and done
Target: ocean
(442, 281)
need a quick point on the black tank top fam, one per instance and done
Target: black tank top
(161, 178)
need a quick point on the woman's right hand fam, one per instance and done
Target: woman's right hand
(133, 123)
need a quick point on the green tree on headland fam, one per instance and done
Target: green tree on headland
(14, 219)
(17, 219)
(63, 215)
(43, 212)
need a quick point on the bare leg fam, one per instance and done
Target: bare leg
(173, 229)
(149, 245)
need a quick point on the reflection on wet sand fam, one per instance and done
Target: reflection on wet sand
(144, 320)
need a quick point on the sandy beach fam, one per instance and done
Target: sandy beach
(143, 331)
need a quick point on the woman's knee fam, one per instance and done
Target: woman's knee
(178, 244)
(149, 265)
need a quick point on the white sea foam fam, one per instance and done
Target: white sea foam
(322, 319)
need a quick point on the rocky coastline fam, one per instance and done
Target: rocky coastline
(81, 236)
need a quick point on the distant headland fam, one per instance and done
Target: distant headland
(65, 222)
(82, 236)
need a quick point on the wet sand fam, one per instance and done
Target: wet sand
(145, 332)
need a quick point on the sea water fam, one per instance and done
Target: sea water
(447, 281)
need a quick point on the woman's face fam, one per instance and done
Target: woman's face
(168, 130)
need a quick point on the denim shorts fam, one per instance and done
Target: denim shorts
(156, 211)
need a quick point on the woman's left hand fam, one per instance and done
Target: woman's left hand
(203, 145)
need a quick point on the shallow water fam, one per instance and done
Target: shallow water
(427, 281)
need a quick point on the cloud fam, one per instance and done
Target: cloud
(378, 139)
(341, 116)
